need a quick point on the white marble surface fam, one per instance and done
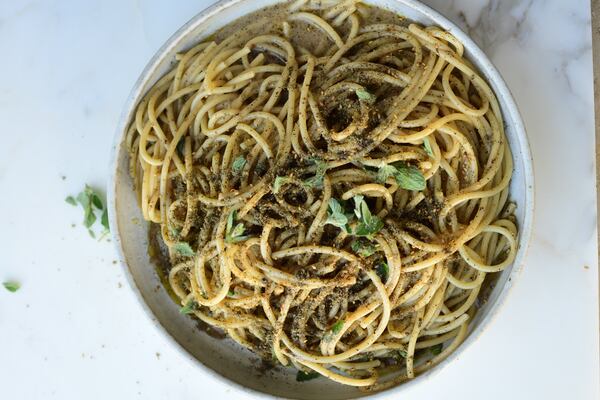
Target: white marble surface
(75, 330)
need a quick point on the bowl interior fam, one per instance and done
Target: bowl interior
(223, 356)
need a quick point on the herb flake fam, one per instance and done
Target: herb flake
(188, 308)
(407, 176)
(279, 182)
(383, 271)
(316, 181)
(91, 201)
(364, 95)
(174, 232)
(183, 249)
(337, 327)
(104, 220)
(427, 147)
(384, 172)
(238, 164)
(335, 215)
(302, 376)
(11, 286)
(368, 224)
(234, 234)
(364, 249)
(437, 349)
(96, 201)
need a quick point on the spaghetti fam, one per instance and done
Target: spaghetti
(331, 183)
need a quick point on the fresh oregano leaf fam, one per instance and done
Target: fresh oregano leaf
(302, 376)
(183, 249)
(409, 177)
(337, 327)
(427, 147)
(384, 172)
(364, 95)
(188, 308)
(279, 182)
(357, 202)
(364, 248)
(437, 349)
(89, 218)
(383, 271)
(234, 234)
(238, 164)
(335, 215)
(368, 224)
(316, 181)
(11, 286)
(104, 220)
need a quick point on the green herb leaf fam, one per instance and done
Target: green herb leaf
(89, 218)
(401, 353)
(238, 164)
(96, 201)
(11, 286)
(89, 200)
(237, 234)
(383, 271)
(90, 194)
(317, 180)
(367, 217)
(364, 249)
(174, 232)
(238, 230)
(369, 224)
(437, 349)
(84, 200)
(409, 177)
(230, 220)
(183, 249)
(230, 293)
(279, 182)
(314, 182)
(71, 200)
(365, 96)
(357, 205)
(368, 230)
(384, 172)
(427, 147)
(104, 220)
(188, 308)
(320, 164)
(337, 327)
(335, 215)
(302, 376)
(234, 234)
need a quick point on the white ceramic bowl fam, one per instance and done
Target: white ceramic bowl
(224, 359)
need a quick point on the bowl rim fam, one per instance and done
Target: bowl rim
(501, 91)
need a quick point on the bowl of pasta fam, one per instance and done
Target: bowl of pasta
(321, 199)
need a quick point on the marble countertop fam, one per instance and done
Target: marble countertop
(75, 330)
